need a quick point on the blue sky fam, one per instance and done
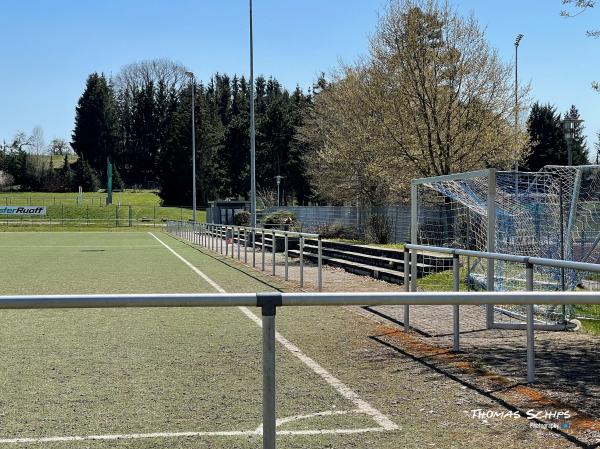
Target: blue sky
(50, 46)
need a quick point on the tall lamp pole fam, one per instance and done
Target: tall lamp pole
(252, 131)
(517, 42)
(278, 178)
(193, 82)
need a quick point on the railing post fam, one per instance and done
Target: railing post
(246, 245)
(285, 237)
(221, 238)
(269, 303)
(406, 288)
(273, 247)
(456, 309)
(301, 261)
(530, 326)
(232, 241)
(320, 264)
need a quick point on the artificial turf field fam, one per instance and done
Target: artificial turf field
(191, 378)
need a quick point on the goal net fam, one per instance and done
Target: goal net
(553, 213)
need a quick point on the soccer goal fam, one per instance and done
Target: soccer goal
(553, 213)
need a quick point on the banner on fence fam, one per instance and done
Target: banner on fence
(23, 210)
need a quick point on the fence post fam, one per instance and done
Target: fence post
(414, 227)
(232, 240)
(269, 302)
(286, 255)
(273, 247)
(262, 245)
(253, 237)
(239, 234)
(406, 288)
(320, 263)
(530, 326)
(301, 261)
(246, 246)
(221, 238)
(456, 310)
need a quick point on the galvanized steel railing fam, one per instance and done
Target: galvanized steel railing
(410, 261)
(215, 236)
(269, 302)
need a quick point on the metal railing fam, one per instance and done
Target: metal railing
(269, 302)
(529, 263)
(215, 236)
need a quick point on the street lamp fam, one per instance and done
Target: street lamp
(570, 129)
(278, 178)
(193, 83)
(517, 42)
(252, 131)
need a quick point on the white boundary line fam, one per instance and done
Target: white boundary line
(363, 407)
(333, 381)
(232, 433)
(80, 246)
(337, 384)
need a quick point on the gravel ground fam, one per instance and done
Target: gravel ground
(491, 362)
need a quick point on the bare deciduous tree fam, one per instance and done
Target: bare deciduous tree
(137, 75)
(59, 147)
(432, 98)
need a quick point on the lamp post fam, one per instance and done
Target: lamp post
(517, 42)
(193, 83)
(278, 178)
(252, 131)
(570, 128)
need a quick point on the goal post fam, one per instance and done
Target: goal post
(553, 213)
(486, 178)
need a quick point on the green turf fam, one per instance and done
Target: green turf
(64, 212)
(136, 370)
(120, 371)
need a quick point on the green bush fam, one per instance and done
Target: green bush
(283, 219)
(379, 228)
(337, 231)
(241, 218)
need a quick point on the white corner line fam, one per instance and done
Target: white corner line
(333, 381)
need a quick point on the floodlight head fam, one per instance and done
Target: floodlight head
(518, 39)
(190, 74)
(569, 125)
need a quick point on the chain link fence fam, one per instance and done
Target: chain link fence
(351, 222)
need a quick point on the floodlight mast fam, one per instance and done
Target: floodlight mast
(252, 132)
(193, 83)
(517, 42)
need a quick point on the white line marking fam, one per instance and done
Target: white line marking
(289, 419)
(79, 246)
(212, 283)
(333, 381)
(363, 407)
(232, 433)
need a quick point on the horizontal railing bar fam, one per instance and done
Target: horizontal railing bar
(129, 300)
(438, 298)
(267, 230)
(554, 263)
(295, 299)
